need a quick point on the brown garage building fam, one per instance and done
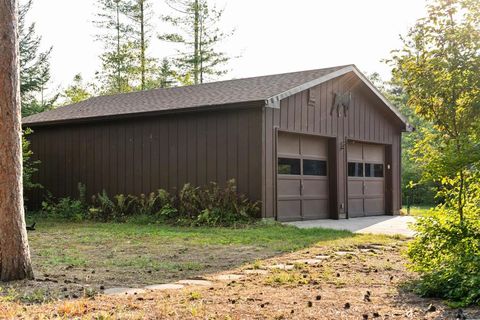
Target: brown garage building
(309, 145)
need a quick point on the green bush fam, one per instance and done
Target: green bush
(29, 165)
(66, 208)
(446, 252)
(209, 206)
(214, 206)
(124, 207)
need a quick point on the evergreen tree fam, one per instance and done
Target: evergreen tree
(199, 36)
(140, 13)
(34, 67)
(118, 73)
(126, 67)
(78, 90)
(164, 77)
(15, 262)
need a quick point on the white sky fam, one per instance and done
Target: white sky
(272, 36)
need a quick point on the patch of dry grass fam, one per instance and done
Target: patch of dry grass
(283, 277)
(370, 280)
(320, 291)
(74, 260)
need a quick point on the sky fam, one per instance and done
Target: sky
(272, 36)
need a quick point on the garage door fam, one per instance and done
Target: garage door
(366, 182)
(302, 181)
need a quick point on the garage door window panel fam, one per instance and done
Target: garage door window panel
(374, 170)
(315, 167)
(355, 169)
(289, 166)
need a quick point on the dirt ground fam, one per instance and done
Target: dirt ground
(339, 279)
(74, 260)
(73, 281)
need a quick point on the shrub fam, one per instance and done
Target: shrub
(117, 209)
(66, 208)
(209, 206)
(446, 252)
(29, 165)
(215, 206)
(157, 206)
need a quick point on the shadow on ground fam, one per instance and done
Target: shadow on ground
(72, 260)
(429, 307)
(281, 273)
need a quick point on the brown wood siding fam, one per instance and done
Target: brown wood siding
(144, 154)
(368, 120)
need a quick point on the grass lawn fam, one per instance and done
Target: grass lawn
(417, 211)
(71, 257)
(75, 262)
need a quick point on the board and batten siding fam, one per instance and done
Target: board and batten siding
(367, 120)
(140, 155)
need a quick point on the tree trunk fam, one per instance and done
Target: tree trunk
(14, 251)
(119, 83)
(196, 32)
(200, 47)
(142, 40)
(460, 197)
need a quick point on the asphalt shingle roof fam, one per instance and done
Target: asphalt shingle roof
(188, 97)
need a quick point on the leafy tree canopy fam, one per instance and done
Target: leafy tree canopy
(78, 90)
(439, 69)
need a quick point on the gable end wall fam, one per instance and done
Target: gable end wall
(368, 120)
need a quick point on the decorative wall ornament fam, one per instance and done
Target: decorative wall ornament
(311, 97)
(341, 100)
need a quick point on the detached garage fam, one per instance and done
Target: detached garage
(318, 144)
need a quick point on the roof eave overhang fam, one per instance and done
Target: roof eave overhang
(274, 101)
(241, 105)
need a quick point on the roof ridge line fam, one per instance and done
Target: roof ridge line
(190, 86)
(275, 99)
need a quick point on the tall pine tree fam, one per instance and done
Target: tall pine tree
(140, 13)
(150, 71)
(199, 35)
(34, 66)
(126, 32)
(15, 262)
(118, 72)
